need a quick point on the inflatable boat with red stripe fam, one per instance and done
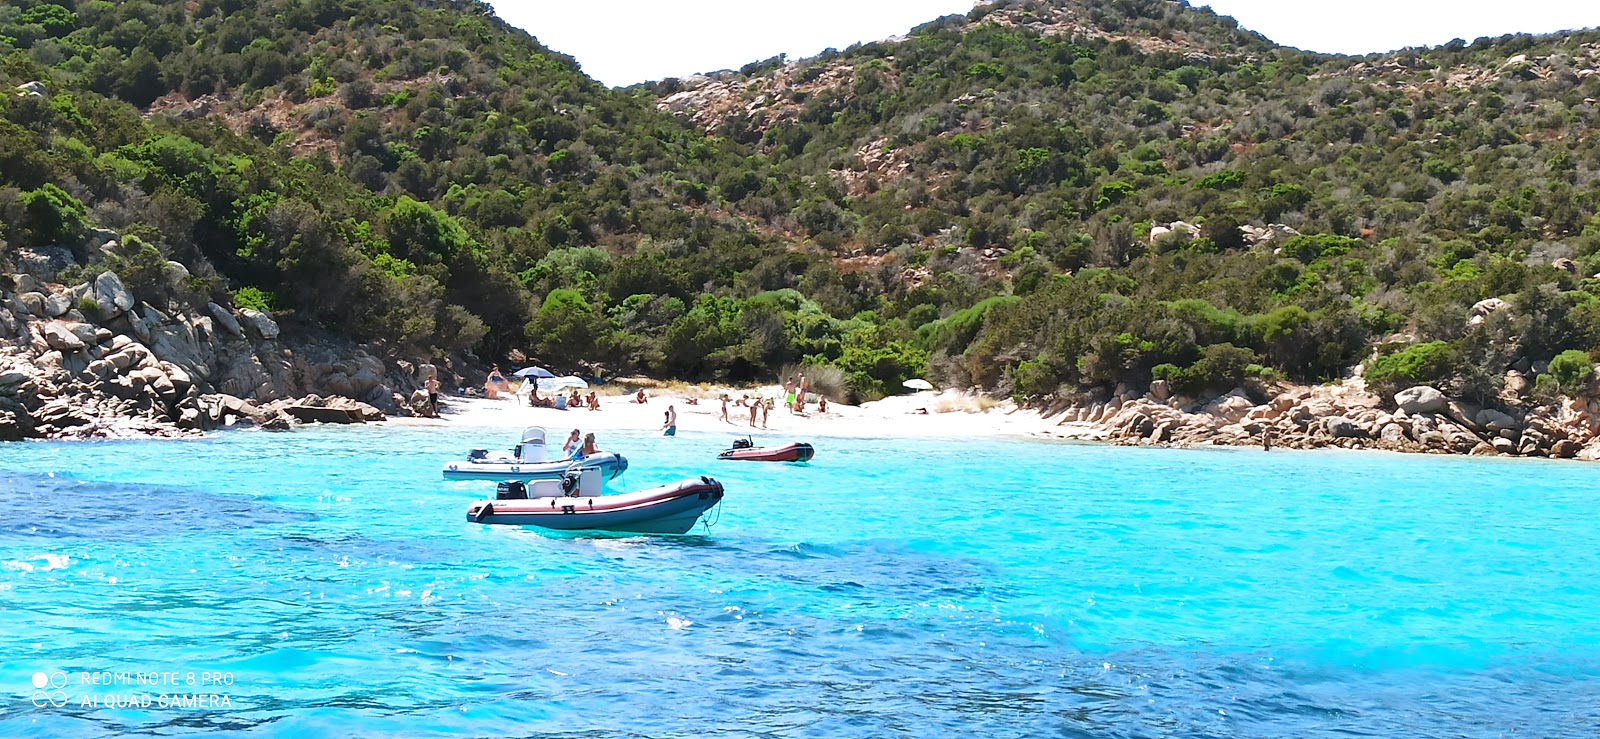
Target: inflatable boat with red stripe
(743, 450)
(669, 509)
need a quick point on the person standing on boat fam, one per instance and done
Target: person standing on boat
(573, 444)
(670, 427)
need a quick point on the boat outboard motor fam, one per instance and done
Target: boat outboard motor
(744, 443)
(511, 490)
(569, 482)
(478, 454)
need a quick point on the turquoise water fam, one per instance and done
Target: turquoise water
(889, 588)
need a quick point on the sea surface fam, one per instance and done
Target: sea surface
(326, 583)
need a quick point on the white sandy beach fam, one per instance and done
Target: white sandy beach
(951, 414)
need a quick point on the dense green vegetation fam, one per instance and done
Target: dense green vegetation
(973, 202)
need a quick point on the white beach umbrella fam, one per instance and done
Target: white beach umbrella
(918, 384)
(561, 383)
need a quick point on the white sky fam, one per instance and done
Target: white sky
(620, 42)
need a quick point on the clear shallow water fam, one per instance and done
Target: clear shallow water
(889, 588)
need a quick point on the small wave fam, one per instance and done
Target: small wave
(51, 562)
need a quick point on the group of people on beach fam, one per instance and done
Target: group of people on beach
(794, 395)
(795, 389)
(759, 407)
(497, 384)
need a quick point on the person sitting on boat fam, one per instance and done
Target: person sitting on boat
(574, 443)
(589, 449)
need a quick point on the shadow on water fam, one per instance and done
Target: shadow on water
(54, 507)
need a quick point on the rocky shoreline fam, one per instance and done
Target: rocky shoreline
(1347, 415)
(92, 361)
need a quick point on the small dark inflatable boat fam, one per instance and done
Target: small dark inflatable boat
(744, 450)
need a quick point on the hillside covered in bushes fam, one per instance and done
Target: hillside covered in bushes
(1041, 198)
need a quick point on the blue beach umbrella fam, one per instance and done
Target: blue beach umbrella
(527, 372)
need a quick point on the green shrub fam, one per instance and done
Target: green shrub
(1112, 193)
(322, 88)
(1571, 371)
(1033, 379)
(1441, 170)
(1220, 367)
(1434, 361)
(254, 298)
(1225, 180)
(54, 217)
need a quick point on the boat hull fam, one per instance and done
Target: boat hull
(800, 452)
(670, 509)
(611, 466)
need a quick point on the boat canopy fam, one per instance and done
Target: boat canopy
(532, 448)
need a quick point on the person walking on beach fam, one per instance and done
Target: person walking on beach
(766, 408)
(753, 411)
(496, 383)
(725, 408)
(1266, 438)
(433, 394)
(670, 427)
(788, 394)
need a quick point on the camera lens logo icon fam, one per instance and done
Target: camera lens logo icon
(47, 689)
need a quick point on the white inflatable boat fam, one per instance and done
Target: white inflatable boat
(530, 461)
(574, 503)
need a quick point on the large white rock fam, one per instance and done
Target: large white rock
(1482, 309)
(110, 293)
(1494, 420)
(32, 302)
(260, 325)
(57, 305)
(61, 337)
(225, 319)
(1231, 408)
(1420, 399)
